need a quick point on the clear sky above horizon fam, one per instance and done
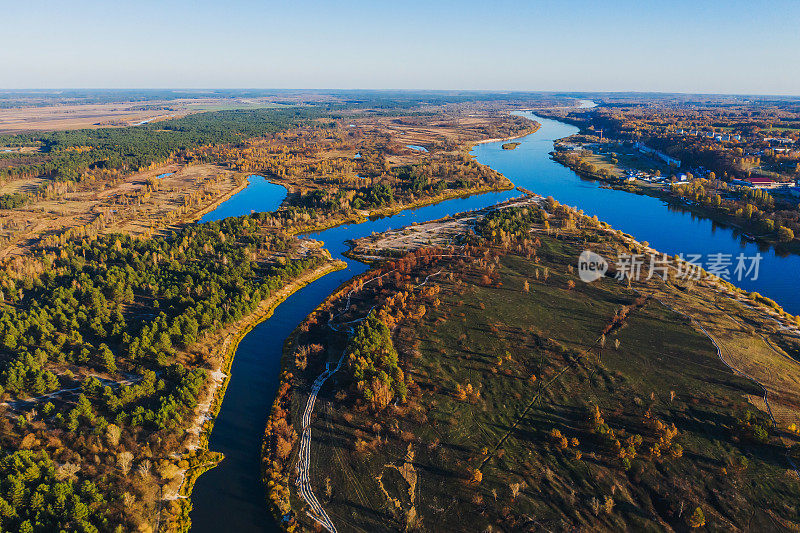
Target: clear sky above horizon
(568, 45)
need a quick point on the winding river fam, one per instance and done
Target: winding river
(230, 497)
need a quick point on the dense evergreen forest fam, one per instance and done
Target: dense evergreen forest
(108, 325)
(69, 155)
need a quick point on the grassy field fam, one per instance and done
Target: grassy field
(78, 116)
(627, 158)
(674, 428)
(136, 204)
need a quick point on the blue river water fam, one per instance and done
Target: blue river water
(668, 229)
(230, 497)
(259, 195)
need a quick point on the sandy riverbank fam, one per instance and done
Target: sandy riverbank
(224, 345)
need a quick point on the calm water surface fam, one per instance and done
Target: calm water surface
(259, 195)
(230, 497)
(667, 229)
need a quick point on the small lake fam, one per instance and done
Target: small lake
(417, 147)
(260, 195)
(231, 497)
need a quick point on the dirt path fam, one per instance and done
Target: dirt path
(317, 512)
(304, 460)
(17, 405)
(736, 370)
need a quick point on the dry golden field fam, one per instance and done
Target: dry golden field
(139, 204)
(78, 116)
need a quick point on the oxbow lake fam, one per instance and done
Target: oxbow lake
(259, 195)
(231, 497)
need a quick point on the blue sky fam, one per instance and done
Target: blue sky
(682, 46)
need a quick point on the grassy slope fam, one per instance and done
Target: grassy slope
(735, 482)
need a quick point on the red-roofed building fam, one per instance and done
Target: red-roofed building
(762, 182)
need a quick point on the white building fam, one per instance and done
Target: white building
(656, 153)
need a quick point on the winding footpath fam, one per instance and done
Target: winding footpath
(317, 512)
(304, 461)
(18, 405)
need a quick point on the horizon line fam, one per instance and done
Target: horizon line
(406, 90)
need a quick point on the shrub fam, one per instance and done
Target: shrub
(698, 518)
